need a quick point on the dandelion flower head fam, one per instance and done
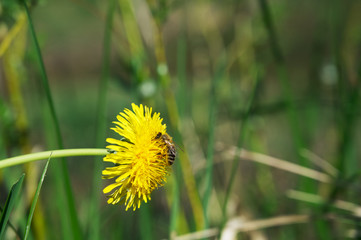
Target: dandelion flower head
(140, 158)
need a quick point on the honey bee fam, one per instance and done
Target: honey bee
(171, 152)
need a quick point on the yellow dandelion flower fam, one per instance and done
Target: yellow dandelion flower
(142, 158)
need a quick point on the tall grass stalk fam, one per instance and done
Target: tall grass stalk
(217, 79)
(174, 116)
(184, 165)
(242, 134)
(133, 35)
(101, 122)
(175, 206)
(288, 95)
(348, 92)
(175, 202)
(146, 222)
(13, 61)
(283, 78)
(62, 173)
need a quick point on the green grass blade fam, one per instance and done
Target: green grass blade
(242, 135)
(348, 91)
(298, 139)
(145, 222)
(44, 78)
(182, 102)
(9, 205)
(35, 200)
(175, 207)
(16, 231)
(212, 123)
(283, 77)
(62, 172)
(101, 123)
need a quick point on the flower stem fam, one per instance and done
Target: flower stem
(9, 162)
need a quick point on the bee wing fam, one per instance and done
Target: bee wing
(179, 147)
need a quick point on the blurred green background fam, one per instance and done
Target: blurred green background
(281, 78)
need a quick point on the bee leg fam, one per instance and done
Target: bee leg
(158, 135)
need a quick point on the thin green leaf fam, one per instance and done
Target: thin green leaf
(16, 231)
(9, 205)
(35, 200)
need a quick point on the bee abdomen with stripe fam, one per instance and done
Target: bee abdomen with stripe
(171, 151)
